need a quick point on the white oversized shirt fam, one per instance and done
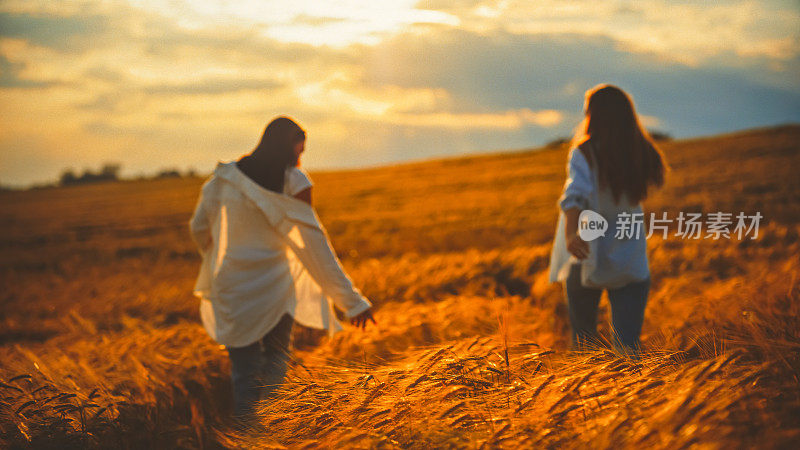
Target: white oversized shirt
(264, 255)
(630, 255)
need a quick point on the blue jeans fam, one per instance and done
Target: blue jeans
(627, 312)
(258, 369)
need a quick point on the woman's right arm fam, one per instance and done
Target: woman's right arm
(575, 198)
(344, 294)
(311, 246)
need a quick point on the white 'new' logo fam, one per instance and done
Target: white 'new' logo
(591, 225)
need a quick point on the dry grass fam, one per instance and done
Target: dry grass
(725, 376)
(101, 347)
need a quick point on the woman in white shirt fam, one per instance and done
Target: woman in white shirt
(267, 262)
(612, 166)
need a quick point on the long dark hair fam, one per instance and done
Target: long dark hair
(627, 159)
(267, 164)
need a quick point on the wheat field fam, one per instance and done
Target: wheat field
(101, 346)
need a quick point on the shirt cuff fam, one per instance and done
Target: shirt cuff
(358, 309)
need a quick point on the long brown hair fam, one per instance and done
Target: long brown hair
(627, 159)
(267, 164)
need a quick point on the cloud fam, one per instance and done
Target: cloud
(688, 31)
(151, 83)
(315, 21)
(212, 86)
(64, 33)
(498, 70)
(506, 120)
(10, 76)
(502, 71)
(126, 89)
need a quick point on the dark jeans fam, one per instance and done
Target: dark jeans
(627, 312)
(258, 369)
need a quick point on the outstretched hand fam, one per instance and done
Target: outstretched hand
(360, 321)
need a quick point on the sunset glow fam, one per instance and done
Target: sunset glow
(406, 224)
(153, 84)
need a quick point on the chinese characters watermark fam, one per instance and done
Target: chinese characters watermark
(716, 225)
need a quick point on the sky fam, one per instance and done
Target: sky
(155, 84)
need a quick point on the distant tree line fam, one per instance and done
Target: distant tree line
(110, 172)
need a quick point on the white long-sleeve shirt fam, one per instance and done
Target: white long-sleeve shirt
(264, 255)
(624, 260)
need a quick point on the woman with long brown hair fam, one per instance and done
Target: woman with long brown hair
(613, 165)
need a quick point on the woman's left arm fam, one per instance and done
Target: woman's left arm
(575, 198)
